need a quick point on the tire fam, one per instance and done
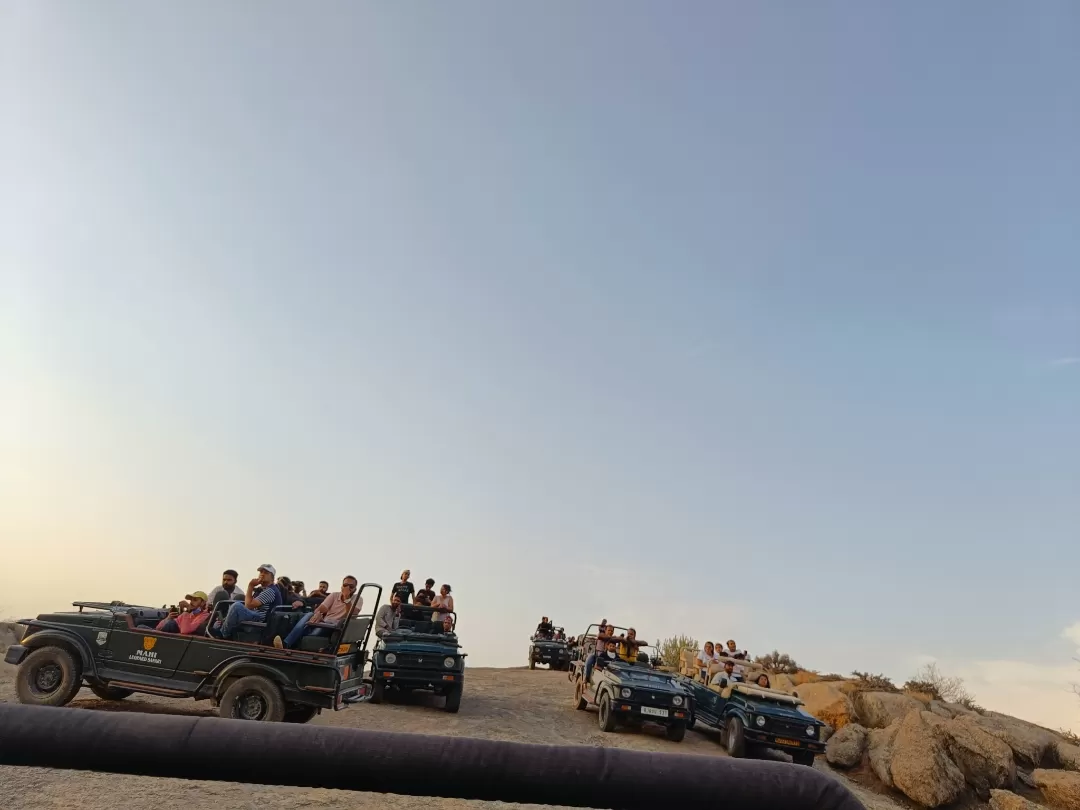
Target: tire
(110, 692)
(453, 699)
(532, 663)
(691, 722)
(734, 740)
(607, 716)
(676, 732)
(50, 676)
(803, 758)
(378, 691)
(580, 703)
(300, 714)
(253, 698)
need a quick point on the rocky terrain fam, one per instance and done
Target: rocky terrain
(894, 750)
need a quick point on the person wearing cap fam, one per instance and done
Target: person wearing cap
(187, 622)
(254, 607)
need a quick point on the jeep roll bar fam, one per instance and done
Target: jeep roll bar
(408, 764)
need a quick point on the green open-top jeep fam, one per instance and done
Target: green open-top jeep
(419, 655)
(114, 649)
(550, 649)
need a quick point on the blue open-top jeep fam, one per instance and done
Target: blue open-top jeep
(750, 716)
(550, 649)
(419, 655)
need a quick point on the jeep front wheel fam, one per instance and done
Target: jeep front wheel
(453, 699)
(579, 698)
(253, 698)
(607, 716)
(676, 732)
(803, 758)
(734, 740)
(378, 691)
(49, 676)
(110, 692)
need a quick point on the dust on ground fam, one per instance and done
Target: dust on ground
(499, 704)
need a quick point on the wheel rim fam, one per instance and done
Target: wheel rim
(250, 706)
(47, 679)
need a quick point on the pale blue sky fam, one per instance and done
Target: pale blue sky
(767, 309)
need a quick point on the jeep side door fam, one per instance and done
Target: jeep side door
(143, 652)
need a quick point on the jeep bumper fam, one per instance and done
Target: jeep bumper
(783, 743)
(624, 710)
(418, 678)
(15, 654)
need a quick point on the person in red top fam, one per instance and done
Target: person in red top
(191, 621)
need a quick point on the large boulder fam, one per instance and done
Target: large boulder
(782, 682)
(827, 703)
(846, 747)
(880, 709)
(1007, 800)
(938, 708)
(1068, 755)
(1032, 746)
(921, 767)
(880, 751)
(1061, 789)
(985, 760)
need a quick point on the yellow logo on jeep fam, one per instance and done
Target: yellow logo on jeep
(148, 643)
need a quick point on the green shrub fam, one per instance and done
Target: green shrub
(670, 648)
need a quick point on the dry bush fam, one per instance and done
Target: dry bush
(670, 648)
(777, 661)
(867, 682)
(1069, 736)
(931, 681)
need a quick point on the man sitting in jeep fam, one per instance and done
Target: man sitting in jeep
(253, 608)
(448, 624)
(187, 622)
(727, 677)
(388, 618)
(607, 657)
(629, 645)
(331, 612)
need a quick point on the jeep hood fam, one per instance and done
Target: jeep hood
(646, 678)
(420, 648)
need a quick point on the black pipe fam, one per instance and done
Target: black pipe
(412, 764)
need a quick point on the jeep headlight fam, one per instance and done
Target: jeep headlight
(449, 662)
(624, 692)
(811, 731)
(390, 658)
(760, 721)
(677, 700)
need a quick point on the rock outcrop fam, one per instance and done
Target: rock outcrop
(827, 703)
(1068, 755)
(921, 766)
(880, 709)
(880, 751)
(1032, 746)
(846, 747)
(985, 760)
(782, 682)
(1007, 800)
(1061, 789)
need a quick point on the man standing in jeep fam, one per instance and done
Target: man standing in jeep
(403, 589)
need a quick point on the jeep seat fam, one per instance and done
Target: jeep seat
(353, 633)
(279, 621)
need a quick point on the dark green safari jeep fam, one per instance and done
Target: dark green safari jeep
(630, 693)
(750, 716)
(551, 650)
(419, 655)
(113, 648)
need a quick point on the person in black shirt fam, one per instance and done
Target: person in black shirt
(403, 589)
(543, 630)
(609, 656)
(427, 593)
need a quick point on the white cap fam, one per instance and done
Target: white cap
(268, 568)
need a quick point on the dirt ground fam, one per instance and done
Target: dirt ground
(499, 704)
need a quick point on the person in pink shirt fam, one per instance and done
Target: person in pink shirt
(331, 612)
(190, 621)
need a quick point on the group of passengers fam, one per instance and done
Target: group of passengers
(252, 604)
(546, 631)
(403, 596)
(729, 656)
(610, 648)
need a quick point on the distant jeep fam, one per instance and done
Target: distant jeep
(113, 648)
(631, 693)
(550, 649)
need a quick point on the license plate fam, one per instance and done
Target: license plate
(792, 743)
(649, 710)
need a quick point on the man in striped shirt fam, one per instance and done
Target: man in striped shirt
(253, 608)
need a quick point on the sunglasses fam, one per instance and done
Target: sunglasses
(347, 585)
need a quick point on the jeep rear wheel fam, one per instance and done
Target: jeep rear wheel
(253, 698)
(300, 714)
(607, 716)
(110, 692)
(734, 741)
(49, 676)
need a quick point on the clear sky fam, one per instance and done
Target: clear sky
(755, 320)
